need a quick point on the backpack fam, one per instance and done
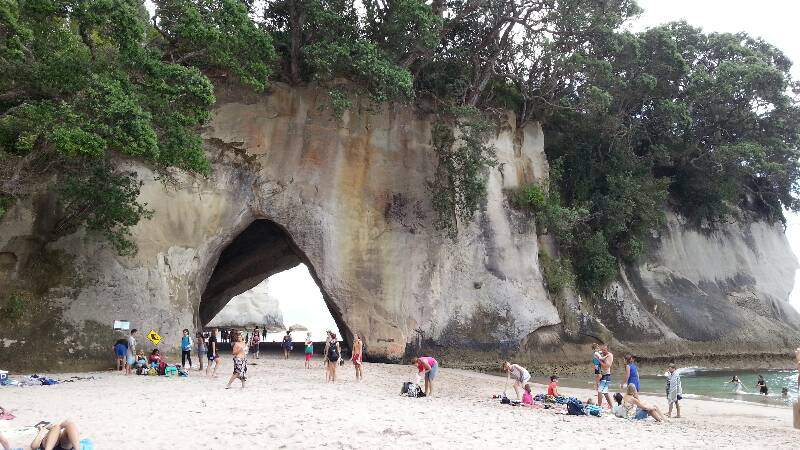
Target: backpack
(575, 408)
(410, 389)
(333, 353)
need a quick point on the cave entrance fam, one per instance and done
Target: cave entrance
(262, 255)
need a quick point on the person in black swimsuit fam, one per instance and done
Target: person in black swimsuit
(57, 436)
(762, 385)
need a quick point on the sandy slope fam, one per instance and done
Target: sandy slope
(285, 406)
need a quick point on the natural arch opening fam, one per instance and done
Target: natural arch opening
(261, 250)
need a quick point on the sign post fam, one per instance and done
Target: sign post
(154, 337)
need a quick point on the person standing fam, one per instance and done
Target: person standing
(332, 354)
(606, 363)
(309, 350)
(186, 349)
(213, 357)
(519, 374)
(358, 357)
(200, 341)
(239, 360)
(429, 368)
(264, 333)
(761, 384)
(255, 343)
(287, 344)
(675, 393)
(632, 372)
(131, 356)
(121, 352)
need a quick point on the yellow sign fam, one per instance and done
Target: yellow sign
(154, 337)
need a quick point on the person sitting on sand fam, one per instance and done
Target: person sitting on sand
(619, 410)
(57, 436)
(156, 360)
(519, 374)
(141, 361)
(552, 388)
(358, 357)
(675, 391)
(429, 368)
(527, 398)
(761, 384)
(638, 410)
(239, 352)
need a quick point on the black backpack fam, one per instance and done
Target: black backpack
(575, 408)
(333, 353)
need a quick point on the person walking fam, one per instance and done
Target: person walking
(428, 367)
(239, 360)
(255, 343)
(675, 393)
(287, 344)
(358, 357)
(309, 351)
(519, 374)
(761, 384)
(213, 357)
(131, 356)
(200, 341)
(186, 349)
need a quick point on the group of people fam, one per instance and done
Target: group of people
(628, 405)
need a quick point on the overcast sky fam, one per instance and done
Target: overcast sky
(777, 21)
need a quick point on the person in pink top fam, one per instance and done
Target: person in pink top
(428, 367)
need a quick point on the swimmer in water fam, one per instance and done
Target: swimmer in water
(736, 381)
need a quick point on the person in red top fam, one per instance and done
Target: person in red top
(428, 366)
(155, 358)
(552, 388)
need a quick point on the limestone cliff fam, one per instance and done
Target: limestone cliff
(349, 198)
(256, 307)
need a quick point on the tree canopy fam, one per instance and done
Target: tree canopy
(707, 123)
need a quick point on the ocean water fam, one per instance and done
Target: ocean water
(713, 383)
(698, 382)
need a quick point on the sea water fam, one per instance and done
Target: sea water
(698, 382)
(714, 383)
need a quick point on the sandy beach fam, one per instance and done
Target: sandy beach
(286, 406)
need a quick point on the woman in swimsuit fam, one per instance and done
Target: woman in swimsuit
(358, 347)
(518, 373)
(239, 361)
(736, 381)
(57, 436)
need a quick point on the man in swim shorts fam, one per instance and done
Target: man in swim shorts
(606, 362)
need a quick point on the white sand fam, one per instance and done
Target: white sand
(285, 406)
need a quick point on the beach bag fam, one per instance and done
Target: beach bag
(593, 410)
(152, 372)
(170, 371)
(575, 408)
(410, 389)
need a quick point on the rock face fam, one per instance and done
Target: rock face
(256, 307)
(350, 199)
(292, 184)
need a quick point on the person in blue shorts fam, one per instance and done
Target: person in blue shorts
(120, 351)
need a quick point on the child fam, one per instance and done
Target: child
(618, 409)
(309, 350)
(527, 398)
(596, 363)
(552, 388)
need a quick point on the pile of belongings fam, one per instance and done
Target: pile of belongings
(33, 380)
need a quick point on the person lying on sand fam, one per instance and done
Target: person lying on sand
(638, 410)
(56, 436)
